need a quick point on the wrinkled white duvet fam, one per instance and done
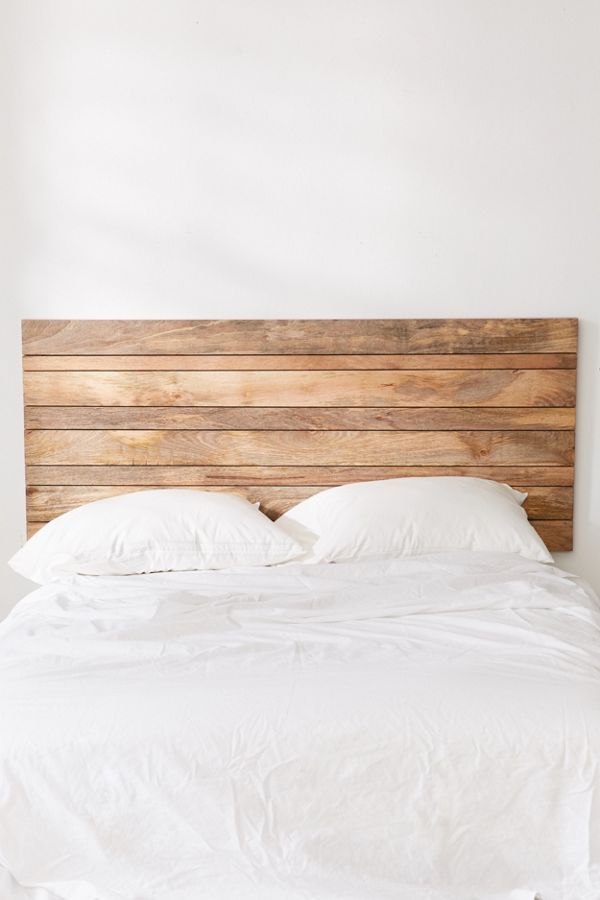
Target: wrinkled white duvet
(423, 729)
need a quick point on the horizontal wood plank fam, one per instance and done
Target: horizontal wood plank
(205, 476)
(554, 387)
(346, 336)
(549, 502)
(313, 362)
(236, 418)
(449, 448)
(557, 535)
(45, 503)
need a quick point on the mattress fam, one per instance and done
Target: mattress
(416, 729)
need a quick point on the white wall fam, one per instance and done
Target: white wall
(170, 158)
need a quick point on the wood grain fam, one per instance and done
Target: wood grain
(312, 362)
(553, 387)
(239, 418)
(345, 336)
(557, 535)
(448, 448)
(278, 409)
(47, 502)
(217, 475)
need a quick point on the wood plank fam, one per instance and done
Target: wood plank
(194, 337)
(442, 448)
(552, 387)
(549, 502)
(557, 535)
(205, 476)
(312, 362)
(45, 503)
(236, 418)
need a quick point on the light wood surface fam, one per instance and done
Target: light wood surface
(277, 410)
(239, 418)
(145, 337)
(488, 387)
(297, 448)
(219, 475)
(316, 362)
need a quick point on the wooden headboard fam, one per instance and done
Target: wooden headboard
(279, 409)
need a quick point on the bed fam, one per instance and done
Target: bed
(416, 728)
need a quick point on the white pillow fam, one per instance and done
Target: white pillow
(409, 516)
(154, 531)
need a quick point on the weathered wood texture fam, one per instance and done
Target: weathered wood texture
(145, 337)
(316, 362)
(223, 476)
(493, 387)
(297, 448)
(276, 410)
(239, 418)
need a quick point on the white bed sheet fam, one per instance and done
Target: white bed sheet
(421, 729)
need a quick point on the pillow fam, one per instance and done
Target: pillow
(154, 531)
(408, 516)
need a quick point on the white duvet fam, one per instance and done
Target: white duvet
(422, 729)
